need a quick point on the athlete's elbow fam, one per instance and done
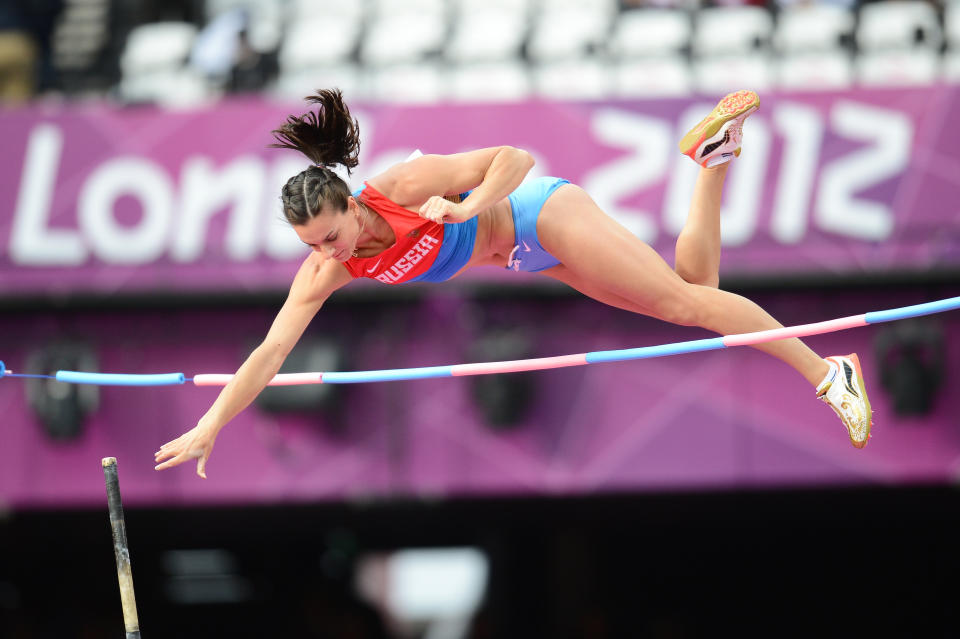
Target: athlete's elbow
(523, 158)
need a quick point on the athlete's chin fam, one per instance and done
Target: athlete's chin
(341, 256)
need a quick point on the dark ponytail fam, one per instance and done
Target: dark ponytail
(328, 136)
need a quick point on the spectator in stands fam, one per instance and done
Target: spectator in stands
(25, 47)
(223, 53)
(18, 62)
(251, 70)
(215, 48)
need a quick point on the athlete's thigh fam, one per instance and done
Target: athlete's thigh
(603, 255)
(563, 274)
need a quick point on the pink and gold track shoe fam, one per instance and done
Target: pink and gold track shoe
(716, 139)
(845, 392)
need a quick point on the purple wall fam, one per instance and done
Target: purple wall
(138, 201)
(94, 198)
(719, 420)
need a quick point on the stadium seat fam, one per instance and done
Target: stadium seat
(180, 88)
(487, 34)
(403, 37)
(490, 82)
(813, 28)
(815, 71)
(720, 74)
(898, 24)
(584, 79)
(653, 77)
(296, 83)
(898, 68)
(422, 82)
(159, 46)
(388, 9)
(731, 31)
(471, 6)
(153, 66)
(309, 9)
(951, 24)
(566, 31)
(899, 44)
(650, 32)
(951, 32)
(318, 41)
(950, 71)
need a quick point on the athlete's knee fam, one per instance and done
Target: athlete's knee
(711, 278)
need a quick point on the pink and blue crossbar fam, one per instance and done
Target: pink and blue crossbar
(487, 368)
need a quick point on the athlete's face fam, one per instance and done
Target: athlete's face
(333, 233)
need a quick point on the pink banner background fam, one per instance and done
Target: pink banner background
(98, 199)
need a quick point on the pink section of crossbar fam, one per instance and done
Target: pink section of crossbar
(517, 365)
(284, 379)
(746, 339)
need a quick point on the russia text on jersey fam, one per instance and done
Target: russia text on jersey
(420, 250)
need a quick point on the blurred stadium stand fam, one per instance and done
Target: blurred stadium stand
(419, 51)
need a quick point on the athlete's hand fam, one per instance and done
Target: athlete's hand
(196, 443)
(441, 211)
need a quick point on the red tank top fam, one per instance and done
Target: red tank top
(417, 243)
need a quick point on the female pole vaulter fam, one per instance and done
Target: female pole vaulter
(431, 218)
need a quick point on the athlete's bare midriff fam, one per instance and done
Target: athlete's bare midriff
(495, 237)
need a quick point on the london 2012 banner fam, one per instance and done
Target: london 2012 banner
(101, 199)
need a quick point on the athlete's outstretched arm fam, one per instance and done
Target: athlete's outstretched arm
(492, 173)
(315, 281)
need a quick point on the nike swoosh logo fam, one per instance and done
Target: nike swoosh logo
(710, 147)
(526, 248)
(371, 270)
(512, 261)
(848, 379)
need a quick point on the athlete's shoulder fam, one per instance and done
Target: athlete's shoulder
(388, 182)
(412, 182)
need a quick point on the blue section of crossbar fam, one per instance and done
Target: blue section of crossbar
(646, 352)
(875, 317)
(392, 375)
(113, 379)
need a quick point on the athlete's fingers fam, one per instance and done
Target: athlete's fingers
(164, 453)
(170, 444)
(432, 207)
(202, 466)
(176, 461)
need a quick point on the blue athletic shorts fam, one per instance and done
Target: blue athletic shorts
(526, 202)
